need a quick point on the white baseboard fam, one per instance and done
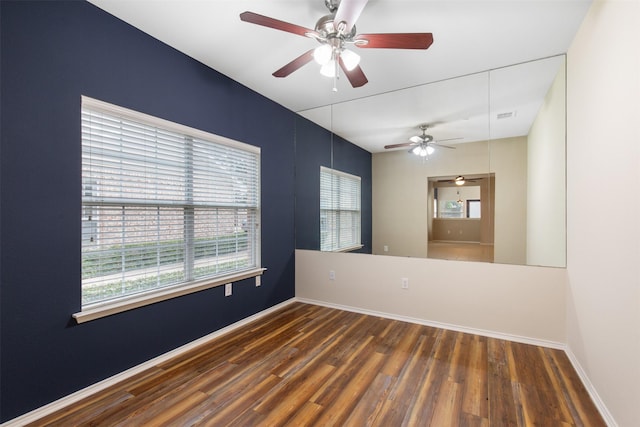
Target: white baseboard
(52, 407)
(449, 326)
(602, 408)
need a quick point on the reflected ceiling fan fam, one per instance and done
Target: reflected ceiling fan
(423, 145)
(335, 32)
(458, 180)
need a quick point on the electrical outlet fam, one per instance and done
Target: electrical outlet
(258, 281)
(405, 283)
(228, 289)
(332, 275)
(386, 248)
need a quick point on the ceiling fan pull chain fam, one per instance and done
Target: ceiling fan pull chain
(337, 70)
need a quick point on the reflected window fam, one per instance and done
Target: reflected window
(451, 209)
(339, 211)
(473, 208)
(457, 202)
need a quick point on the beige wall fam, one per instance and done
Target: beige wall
(400, 202)
(603, 166)
(518, 302)
(456, 230)
(509, 164)
(400, 194)
(546, 195)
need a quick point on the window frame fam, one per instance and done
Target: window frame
(126, 302)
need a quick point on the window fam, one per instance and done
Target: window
(163, 206)
(473, 208)
(339, 210)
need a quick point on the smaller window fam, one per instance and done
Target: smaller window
(339, 211)
(473, 208)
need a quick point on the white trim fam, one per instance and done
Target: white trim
(595, 397)
(52, 407)
(124, 304)
(449, 326)
(156, 121)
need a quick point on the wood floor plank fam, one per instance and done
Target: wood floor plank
(475, 398)
(407, 383)
(369, 406)
(311, 365)
(446, 411)
(502, 407)
(353, 390)
(423, 406)
(292, 397)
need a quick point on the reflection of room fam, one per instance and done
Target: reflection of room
(460, 219)
(527, 163)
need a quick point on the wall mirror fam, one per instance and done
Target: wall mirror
(506, 130)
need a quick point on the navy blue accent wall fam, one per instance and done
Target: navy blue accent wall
(51, 54)
(316, 147)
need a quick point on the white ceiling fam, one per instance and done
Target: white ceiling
(469, 37)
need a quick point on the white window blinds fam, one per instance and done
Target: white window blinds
(339, 210)
(163, 205)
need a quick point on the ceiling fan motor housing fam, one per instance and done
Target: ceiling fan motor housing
(327, 29)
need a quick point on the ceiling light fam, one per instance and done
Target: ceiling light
(329, 69)
(423, 150)
(322, 54)
(350, 59)
(460, 180)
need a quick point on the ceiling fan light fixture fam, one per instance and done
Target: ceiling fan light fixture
(329, 69)
(423, 150)
(322, 54)
(459, 180)
(350, 59)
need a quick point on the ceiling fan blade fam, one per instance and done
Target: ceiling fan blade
(443, 146)
(448, 139)
(356, 76)
(348, 12)
(404, 144)
(265, 21)
(394, 40)
(416, 139)
(295, 64)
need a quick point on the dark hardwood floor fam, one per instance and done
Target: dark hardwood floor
(311, 365)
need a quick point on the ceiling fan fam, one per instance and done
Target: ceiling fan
(334, 32)
(423, 145)
(458, 180)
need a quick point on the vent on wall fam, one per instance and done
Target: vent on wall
(506, 115)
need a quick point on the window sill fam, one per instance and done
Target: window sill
(349, 248)
(103, 310)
